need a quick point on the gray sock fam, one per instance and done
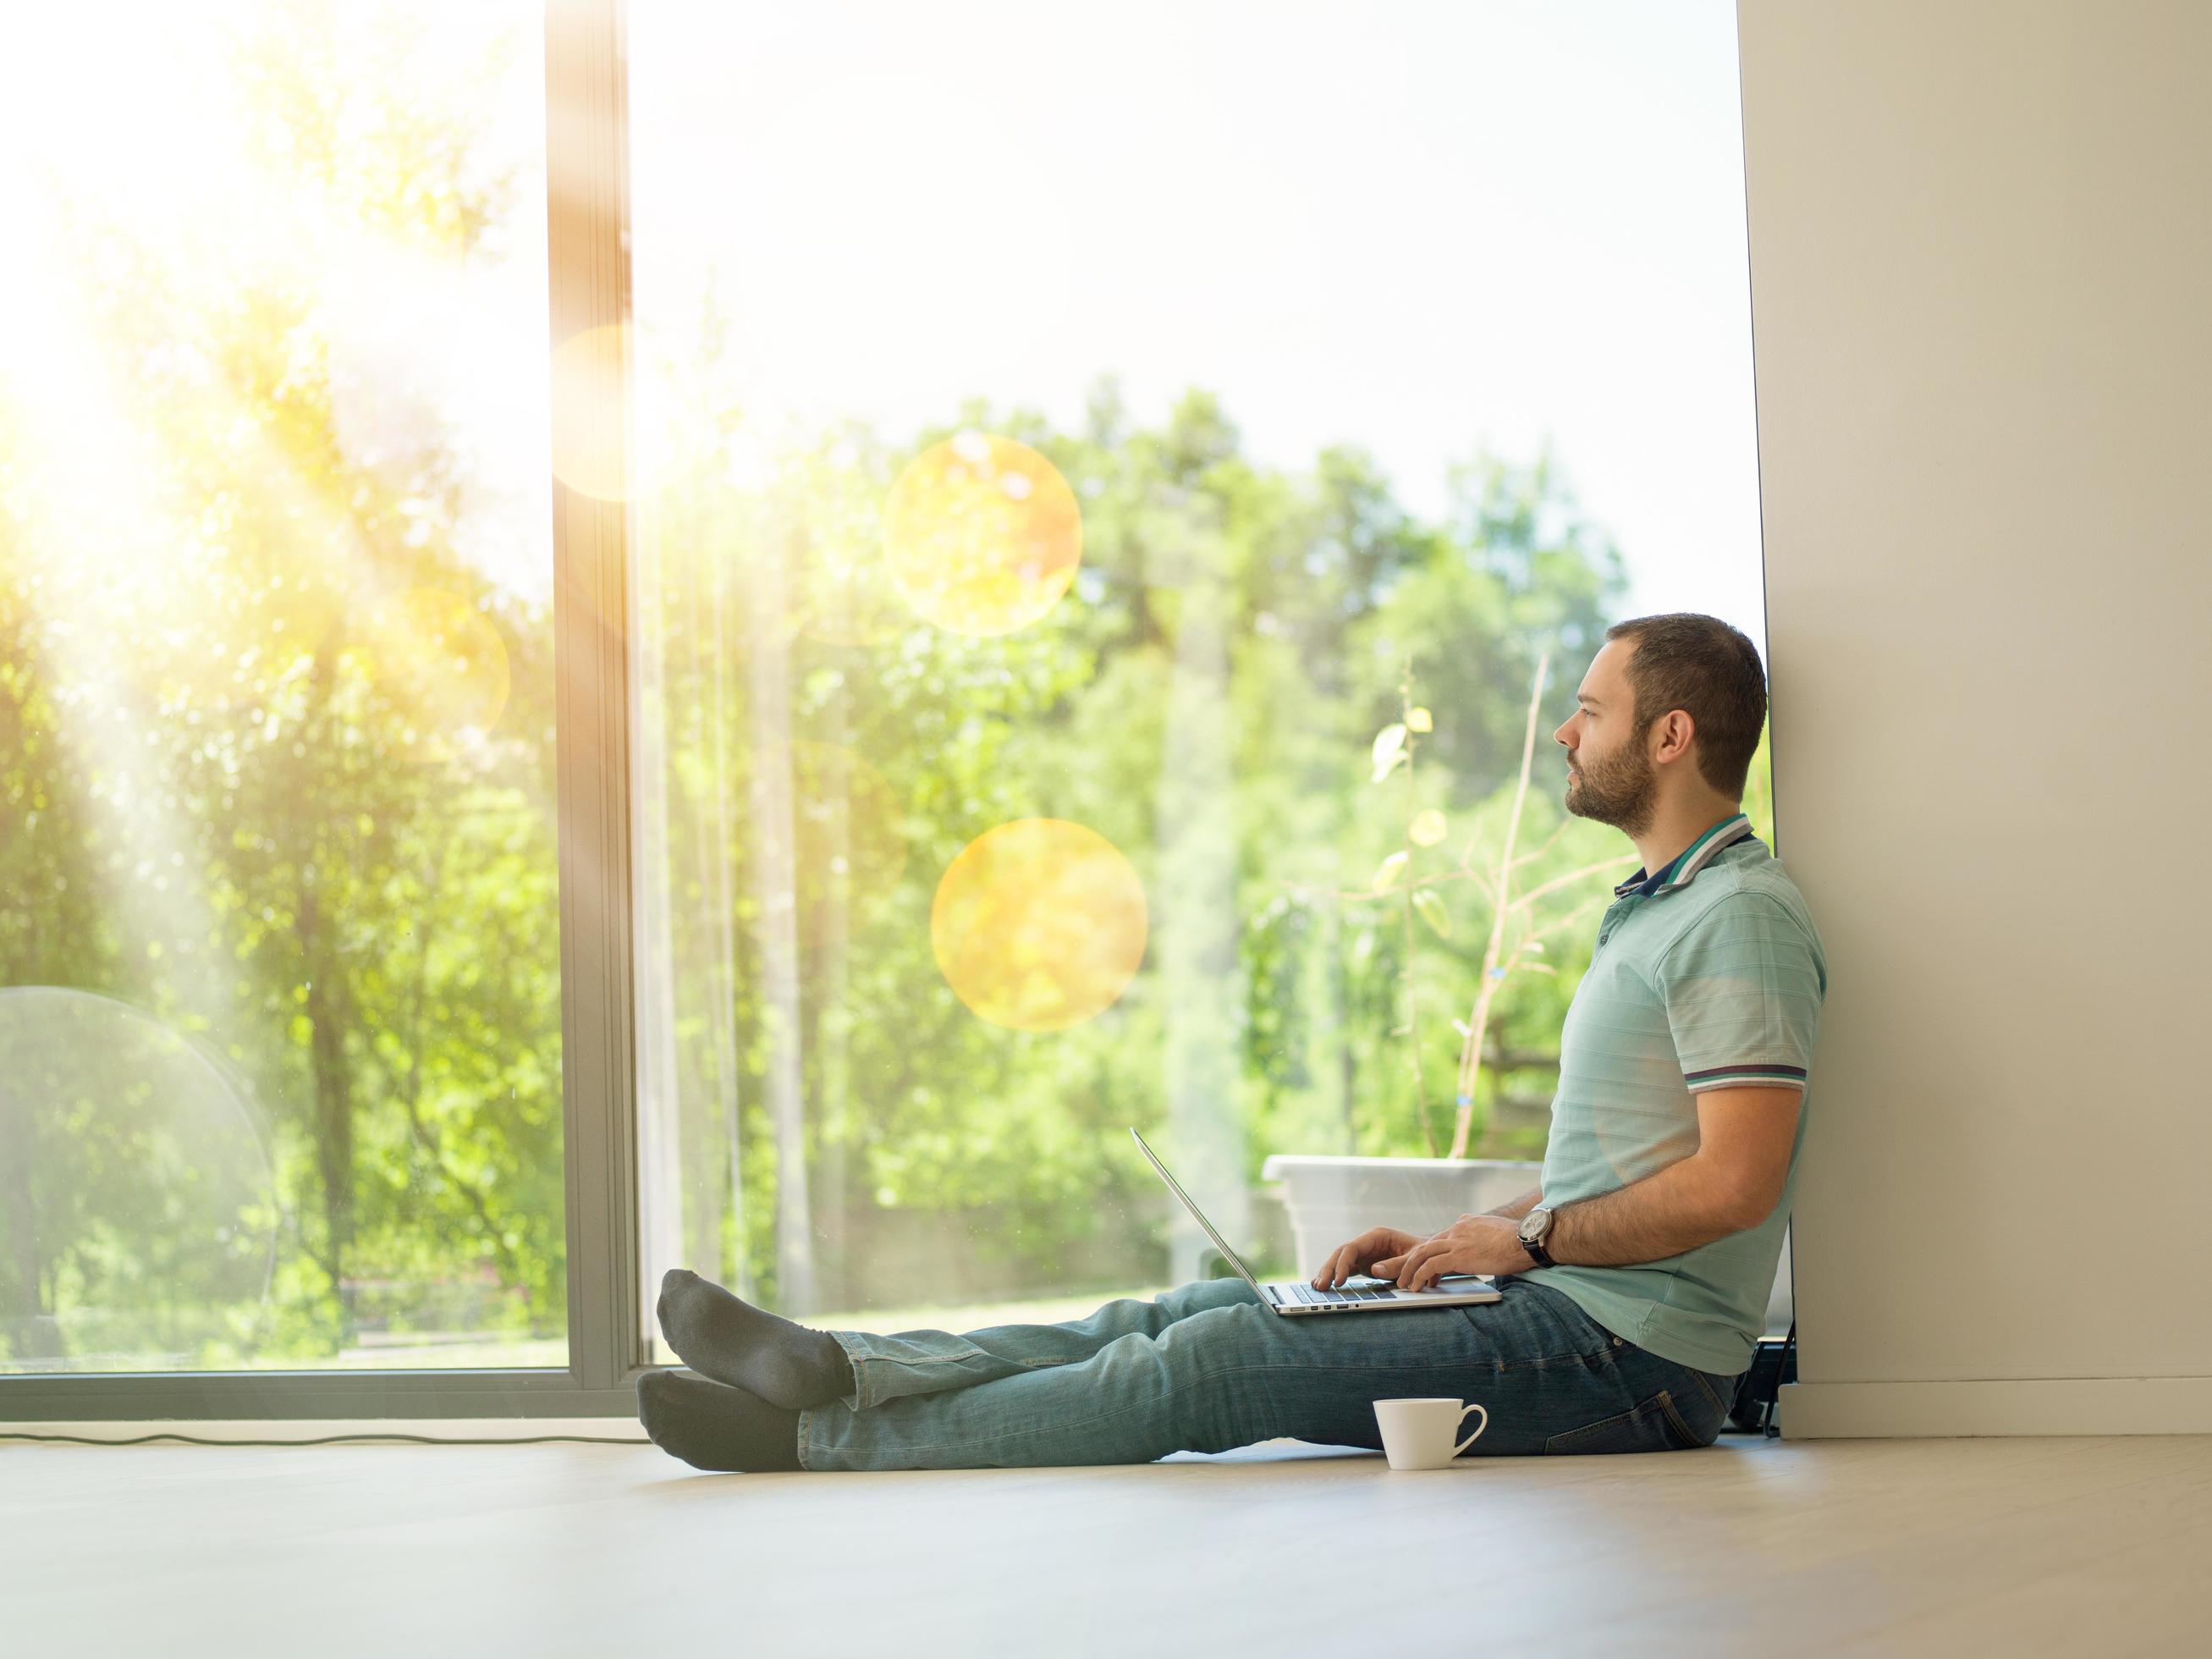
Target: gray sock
(710, 1426)
(720, 1336)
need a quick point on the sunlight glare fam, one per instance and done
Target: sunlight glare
(588, 450)
(1039, 924)
(983, 534)
(437, 659)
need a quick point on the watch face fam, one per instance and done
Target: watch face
(1530, 1225)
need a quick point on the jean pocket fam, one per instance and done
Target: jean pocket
(1655, 1425)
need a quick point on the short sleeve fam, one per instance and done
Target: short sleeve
(1743, 990)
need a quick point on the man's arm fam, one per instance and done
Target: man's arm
(1521, 1206)
(1731, 1182)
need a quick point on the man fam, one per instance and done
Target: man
(1635, 1278)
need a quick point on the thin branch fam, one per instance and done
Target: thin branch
(1560, 828)
(1412, 983)
(1571, 877)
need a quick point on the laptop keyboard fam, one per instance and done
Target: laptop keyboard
(1306, 1292)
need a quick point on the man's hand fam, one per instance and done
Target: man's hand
(1473, 1244)
(1357, 1256)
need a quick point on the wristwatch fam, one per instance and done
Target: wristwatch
(1535, 1227)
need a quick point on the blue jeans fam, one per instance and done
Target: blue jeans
(1207, 1367)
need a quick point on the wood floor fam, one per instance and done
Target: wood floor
(1995, 1546)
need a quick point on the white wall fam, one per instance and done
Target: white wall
(1981, 255)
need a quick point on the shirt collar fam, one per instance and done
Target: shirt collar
(1683, 868)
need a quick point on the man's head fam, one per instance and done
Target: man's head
(1669, 713)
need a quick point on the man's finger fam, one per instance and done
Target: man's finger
(1411, 1259)
(1327, 1273)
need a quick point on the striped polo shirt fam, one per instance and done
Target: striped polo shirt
(1709, 974)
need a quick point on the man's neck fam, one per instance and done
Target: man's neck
(1674, 832)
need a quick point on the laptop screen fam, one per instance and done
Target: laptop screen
(1176, 1187)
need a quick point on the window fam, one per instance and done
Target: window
(280, 969)
(1058, 430)
(967, 486)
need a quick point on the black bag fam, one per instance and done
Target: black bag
(1773, 1364)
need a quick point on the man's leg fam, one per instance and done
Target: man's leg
(721, 1424)
(1235, 1373)
(910, 1362)
(724, 1337)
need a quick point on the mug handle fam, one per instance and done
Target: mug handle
(1479, 1428)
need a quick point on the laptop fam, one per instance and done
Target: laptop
(1361, 1293)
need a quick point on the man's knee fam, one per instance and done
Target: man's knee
(1229, 1333)
(1199, 1296)
(1216, 1377)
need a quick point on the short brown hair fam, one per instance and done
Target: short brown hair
(1709, 670)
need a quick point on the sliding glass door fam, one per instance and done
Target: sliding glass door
(1073, 444)
(284, 644)
(280, 950)
(735, 636)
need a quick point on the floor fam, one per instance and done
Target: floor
(2019, 1546)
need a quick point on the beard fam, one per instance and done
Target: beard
(1622, 791)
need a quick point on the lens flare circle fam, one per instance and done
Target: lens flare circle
(127, 1144)
(981, 534)
(1039, 924)
(588, 451)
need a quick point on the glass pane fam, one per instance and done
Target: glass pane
(279, 987)
(1112, 480)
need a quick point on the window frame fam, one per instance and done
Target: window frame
(587, 247)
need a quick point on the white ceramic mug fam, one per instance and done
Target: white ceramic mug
(1417, 1434)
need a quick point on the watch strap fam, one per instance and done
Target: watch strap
(1535, 1246)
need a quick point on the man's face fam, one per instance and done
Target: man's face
(1608, 777)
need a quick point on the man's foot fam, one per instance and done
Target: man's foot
(711, 1426)
(719, 1335)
